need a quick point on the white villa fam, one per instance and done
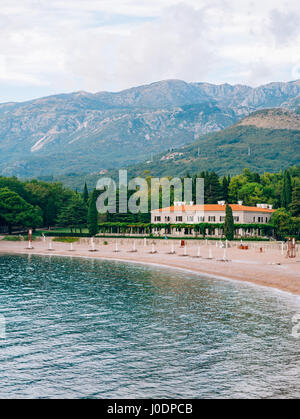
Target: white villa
(195, 214)
(181, 213)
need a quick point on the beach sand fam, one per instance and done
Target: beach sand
(269, 268)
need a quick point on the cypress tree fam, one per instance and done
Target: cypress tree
(85, 194)
(225, 186)
(50, 212)
(286, 195)
(289, 188)
(229, 224)
(295, 205)
(92, 219)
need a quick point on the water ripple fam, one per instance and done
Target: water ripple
(84, 328)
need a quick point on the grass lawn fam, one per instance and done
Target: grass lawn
(60, 230)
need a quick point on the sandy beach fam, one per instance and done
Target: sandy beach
(268, 268)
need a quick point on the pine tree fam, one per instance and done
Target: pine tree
(92, 219)
(295, 205)
(213, 189)
(229, 224)
(85, 194)
(286, 195)
(74, 215)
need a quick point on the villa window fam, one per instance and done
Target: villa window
(190, 218)
(237, 219)
(201, 219)
(157, 219)
(167, 219)
(254, 219)
(211, 219)
(222, 219)
(179, 219)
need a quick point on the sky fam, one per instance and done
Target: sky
(49, 47)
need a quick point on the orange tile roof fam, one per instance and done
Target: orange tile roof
(214, 207)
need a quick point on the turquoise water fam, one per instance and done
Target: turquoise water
(85, 328)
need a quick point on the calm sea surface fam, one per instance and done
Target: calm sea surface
(85, 328)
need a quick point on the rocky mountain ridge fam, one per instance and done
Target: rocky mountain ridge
(83, 132)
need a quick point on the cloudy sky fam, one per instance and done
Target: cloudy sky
(48, 47)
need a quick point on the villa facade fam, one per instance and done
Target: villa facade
(215, 214)
(247, 219)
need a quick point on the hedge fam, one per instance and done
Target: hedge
(54, 234)
(151, 237)
(266, 229)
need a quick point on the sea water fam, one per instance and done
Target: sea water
(84, 328)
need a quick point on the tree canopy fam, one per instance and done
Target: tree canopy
(74, 215)
(35, 203)
(14, 210)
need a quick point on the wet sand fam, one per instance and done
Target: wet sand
(270, 268)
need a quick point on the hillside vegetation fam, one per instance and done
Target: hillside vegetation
(252, 143)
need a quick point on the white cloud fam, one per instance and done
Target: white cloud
(114, 44)
(285, 26)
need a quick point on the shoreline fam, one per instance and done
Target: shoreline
(160, 265)
(269, 270)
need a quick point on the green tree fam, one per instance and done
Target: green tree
(283, 223)
(74, 215)
(15, 185)
(85, 194)
(255, 177)
(92, 218)
(50, 212)
(15, 211)
(294, 207)
(32, 217)
(50, 197)
(225, 188)
(79, 207)
(296, 221)
(286, 194)
(247, 174)
(229, 223)
(235, 185)
(213, 189)
(252, 194)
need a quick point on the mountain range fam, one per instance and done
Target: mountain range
(80, 133)
(266, 140)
